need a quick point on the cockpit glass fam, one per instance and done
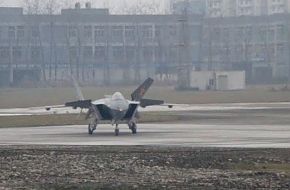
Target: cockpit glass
(117, 96)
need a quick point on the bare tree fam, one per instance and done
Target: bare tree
(48, 7)
(31, 6)
(51, 7)
(140, 7)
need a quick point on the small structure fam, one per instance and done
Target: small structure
(218, 80)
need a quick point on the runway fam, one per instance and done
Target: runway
(213, 125)
(188, 135)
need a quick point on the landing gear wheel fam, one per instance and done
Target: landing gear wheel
(91, 129)
(117, 131)
(134, 129)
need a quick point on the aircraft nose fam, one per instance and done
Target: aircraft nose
(118, 114)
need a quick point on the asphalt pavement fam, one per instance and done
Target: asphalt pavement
(223, 125)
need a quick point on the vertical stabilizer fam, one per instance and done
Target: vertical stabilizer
(80, 95)
(138, 94)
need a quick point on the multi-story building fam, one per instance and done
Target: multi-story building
(257, 44)
(229, 8)
(91, 44)
(101, 48)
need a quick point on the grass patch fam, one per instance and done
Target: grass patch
(269, 167)
(31, 97)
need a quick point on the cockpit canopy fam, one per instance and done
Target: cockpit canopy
(118, 96)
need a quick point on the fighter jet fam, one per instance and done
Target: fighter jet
(115, 108)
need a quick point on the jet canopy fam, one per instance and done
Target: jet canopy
(118, 96)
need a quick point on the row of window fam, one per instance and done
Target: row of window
(17, 32)
(249, 33)
(17, 52)
(249, 52)
(98, 52)
(145, 31)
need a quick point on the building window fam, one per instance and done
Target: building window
(99, 31)
(35, 53)
(100, 52)
(172, 30)
(130, 32)
(271, 35)
(248, 33)
(17, 52)
(11, 32)
(88, 52)
(20, 32)
(130, 53)
(73, 53)
(35, 33)
(262, 33)
(88, 33)
(157, 31)
(148, 54)
(118, 53)
(158, 54)
(173, 54)
(117, 32)
(280, 31)
(4, 52)
(147, 32)
(280, 50)
(72, 33)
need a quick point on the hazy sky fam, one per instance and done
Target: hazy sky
(113, 4)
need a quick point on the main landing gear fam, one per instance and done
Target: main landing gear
(92, 128)
(133, 127)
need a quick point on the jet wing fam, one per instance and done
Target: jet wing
(150, 102)
(82, 104)
(48, 108)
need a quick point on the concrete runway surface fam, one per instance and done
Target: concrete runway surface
(228, 125)
(155, 134)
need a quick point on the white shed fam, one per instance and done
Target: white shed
(218, 80)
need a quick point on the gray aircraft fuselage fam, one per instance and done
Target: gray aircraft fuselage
(118, 106)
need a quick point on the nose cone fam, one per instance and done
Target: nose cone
(118, 114)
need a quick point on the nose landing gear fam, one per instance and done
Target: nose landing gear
(117, 131)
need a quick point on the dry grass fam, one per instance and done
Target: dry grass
(269, 167)
(11, 98)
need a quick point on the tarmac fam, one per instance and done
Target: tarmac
(228, 125)
(187, 135)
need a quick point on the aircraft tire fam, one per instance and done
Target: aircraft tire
(90, 130)
(134, 129)
(117, 131)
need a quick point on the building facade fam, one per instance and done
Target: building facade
(100, 48)
(91, 44)
(257, 44)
